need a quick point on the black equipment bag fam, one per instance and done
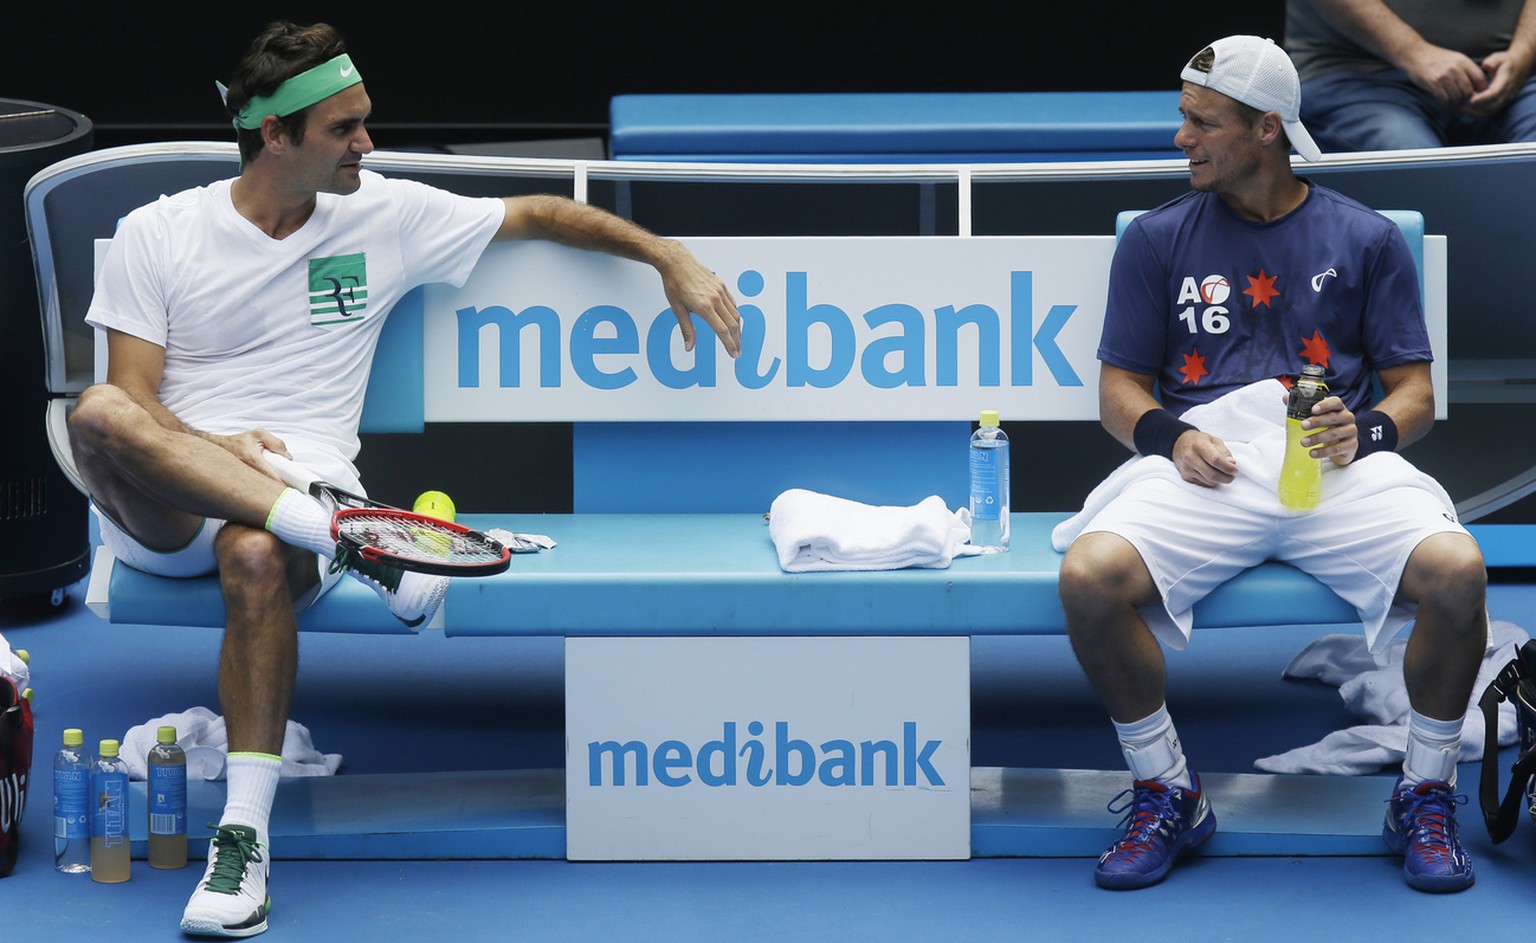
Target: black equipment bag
(1517, 683)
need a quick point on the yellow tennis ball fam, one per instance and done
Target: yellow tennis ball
(434, 504)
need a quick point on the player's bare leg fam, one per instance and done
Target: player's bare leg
(260, 577)
(1103, 584)
(156, 482)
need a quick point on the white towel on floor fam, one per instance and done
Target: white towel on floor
(1251, 421)
(200, 734)
(11, 666)
(814, 531)
(1378, 694)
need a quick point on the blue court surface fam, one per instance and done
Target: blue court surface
(489, 708)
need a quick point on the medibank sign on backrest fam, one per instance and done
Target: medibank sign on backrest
(832, 328)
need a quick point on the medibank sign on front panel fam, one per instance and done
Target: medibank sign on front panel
(832, 328)
(767, 748)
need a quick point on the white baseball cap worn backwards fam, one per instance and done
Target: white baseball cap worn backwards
(1259, 74)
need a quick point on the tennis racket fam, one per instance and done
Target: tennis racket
(394, 536)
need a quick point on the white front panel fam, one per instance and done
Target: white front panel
(767, 748)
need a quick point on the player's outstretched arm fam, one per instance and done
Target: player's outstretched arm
(689, 285)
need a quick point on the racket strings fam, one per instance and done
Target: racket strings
(417, 537)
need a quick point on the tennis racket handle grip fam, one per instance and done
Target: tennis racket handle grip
(293, 474)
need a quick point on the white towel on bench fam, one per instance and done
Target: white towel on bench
(200, 733)
(1251, 421)
(1379, 695)
(814, 531)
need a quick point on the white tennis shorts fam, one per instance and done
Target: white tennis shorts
(195, 558)
(1192, 543)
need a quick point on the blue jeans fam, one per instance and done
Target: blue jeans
(1377, 111)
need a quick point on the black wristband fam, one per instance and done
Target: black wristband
(1156, 432)
(1377, 433)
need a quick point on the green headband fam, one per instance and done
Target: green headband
(299, 92)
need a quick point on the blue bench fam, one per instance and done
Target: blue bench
(717, 574)
(998, 127)
(641, 564)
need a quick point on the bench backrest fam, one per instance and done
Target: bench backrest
(697, 466)
(729, 466)
(687, 467)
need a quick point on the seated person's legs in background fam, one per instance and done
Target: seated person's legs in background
(1379, 111)
(1517, 123)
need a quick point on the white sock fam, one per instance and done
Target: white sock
(252, 785)
(1433, 747)
(1152, 750)
(302, 522)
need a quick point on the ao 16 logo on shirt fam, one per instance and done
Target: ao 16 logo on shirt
(1213, 291)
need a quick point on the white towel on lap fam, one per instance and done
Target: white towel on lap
(1379, 694)
(814, 531)
(200, 733)
(1251, 421)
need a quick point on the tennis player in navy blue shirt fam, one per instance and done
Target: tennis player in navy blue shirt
(1215, 298)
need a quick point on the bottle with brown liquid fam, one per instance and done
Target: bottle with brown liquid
(109, 816)
(166, 793)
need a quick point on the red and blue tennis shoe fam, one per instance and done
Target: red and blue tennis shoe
(1161, 822)
(1421, 826)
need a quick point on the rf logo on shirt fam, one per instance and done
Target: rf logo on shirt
(338, 290)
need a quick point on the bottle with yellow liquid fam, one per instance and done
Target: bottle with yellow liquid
(1301, 476)
(109, 816)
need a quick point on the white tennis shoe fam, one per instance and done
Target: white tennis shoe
(413, 597)
(231, 900)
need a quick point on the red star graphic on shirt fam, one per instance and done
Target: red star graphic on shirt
(1315, 349)
(1261, 289)
(1194, 367)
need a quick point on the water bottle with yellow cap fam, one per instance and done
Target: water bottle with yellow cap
(989, 485)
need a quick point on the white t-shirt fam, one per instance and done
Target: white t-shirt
(280, 334)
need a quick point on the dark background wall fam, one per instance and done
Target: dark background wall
(444, 72)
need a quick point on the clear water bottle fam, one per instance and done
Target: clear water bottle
(1301, 475)
(989, 485)
(72, 805)
(109, 816)
(167, 795)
